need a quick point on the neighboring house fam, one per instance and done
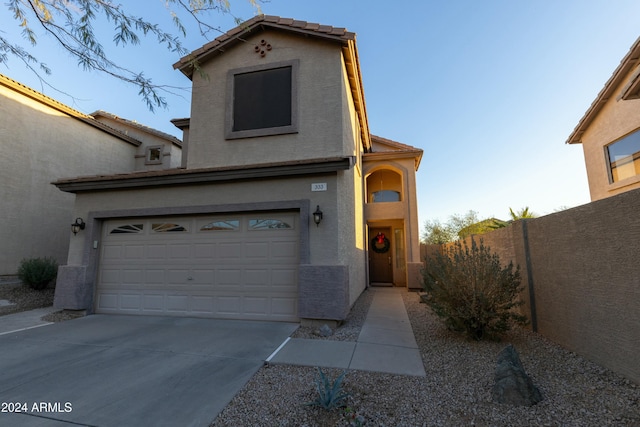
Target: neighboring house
(610, 131)
(284, 201)
(159, 150)
(42, 141)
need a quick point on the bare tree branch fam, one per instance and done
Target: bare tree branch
(70, 24)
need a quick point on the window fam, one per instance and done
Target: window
(267, 224)
(222, 225)
(624, 157)
(167, 227)
(127, 229)
(386, 196)
(262, 101)
(154, 155)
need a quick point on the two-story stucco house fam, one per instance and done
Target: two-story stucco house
(285, 207)
(610, 131)
(44, 140)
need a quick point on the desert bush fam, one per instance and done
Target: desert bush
(470, 290)
(37, 272)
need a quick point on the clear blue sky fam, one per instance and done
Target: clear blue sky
(490, 90)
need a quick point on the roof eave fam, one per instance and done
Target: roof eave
(629, 61)
(203, 176)
(354, 73)
(416, 155)
(65, 109)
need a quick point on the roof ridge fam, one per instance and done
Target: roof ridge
(39, 96)
(392, 142)
(137, 125)
(63, 108)
(617, 77)
(185, 64)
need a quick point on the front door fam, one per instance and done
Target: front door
(380, 262)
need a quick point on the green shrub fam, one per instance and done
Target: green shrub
(37, 272)
(470, 290)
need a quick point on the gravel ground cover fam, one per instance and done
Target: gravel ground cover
(455, 392)
(22, 297)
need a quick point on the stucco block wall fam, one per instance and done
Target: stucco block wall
(319, 84)
(72, 290)
(41, 145)
(586, 279)
(322, 294)
(582, 278)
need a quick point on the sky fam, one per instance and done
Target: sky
(489, 89)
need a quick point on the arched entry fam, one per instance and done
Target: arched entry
(384, 185)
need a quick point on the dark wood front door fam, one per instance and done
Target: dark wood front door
(380, 262)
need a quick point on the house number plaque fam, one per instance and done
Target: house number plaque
(319, 186)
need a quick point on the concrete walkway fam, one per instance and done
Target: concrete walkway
(385, 344)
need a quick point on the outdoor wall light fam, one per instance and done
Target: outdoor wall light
(317, 216)
(77, 226)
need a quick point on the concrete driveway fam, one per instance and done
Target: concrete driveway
(107, 370)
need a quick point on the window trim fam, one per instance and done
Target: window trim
(279, 130)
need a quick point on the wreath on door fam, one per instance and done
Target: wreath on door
(380, 244)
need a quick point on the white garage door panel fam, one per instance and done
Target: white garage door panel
(239, 267)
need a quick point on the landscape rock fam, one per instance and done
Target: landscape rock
(512, 384)
(325, 331)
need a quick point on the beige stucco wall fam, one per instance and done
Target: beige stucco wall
(616, 119)
(324, 247)
(41, 145)
(319, 105)
(351, 191)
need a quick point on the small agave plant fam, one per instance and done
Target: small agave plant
(330, 395)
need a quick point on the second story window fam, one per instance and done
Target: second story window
(624, 157)
(262, 101)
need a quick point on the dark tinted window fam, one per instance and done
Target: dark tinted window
(262, 99)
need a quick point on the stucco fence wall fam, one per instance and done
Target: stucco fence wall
(581, 274)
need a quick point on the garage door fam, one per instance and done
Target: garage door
(231, 266)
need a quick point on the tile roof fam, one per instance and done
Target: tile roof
(233, 36)
(180, 176)
(396, 144)
(137, 125)
(398, 150)
(626, 64)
